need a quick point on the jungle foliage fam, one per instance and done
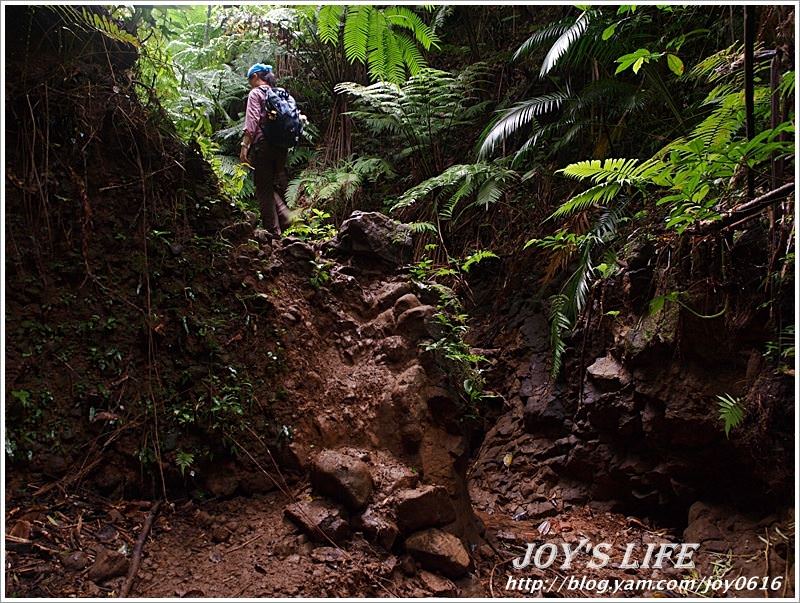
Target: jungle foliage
(571, 132)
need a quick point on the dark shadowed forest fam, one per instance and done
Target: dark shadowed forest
(534, 285)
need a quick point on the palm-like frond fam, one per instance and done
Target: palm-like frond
(564, 42)
(403, 16)
(559, 325)
(537, 38)
(513, 120)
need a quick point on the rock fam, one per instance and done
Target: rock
(75, 561)
(318, 518)
(439, 551)
(413, 323)
(203, 519)
(251, 217)
(377, 528)
(411, 434)
(328, 554)
(423, 507)
(220, 534)
(108, 564)
(544, 411)
(106, 534)
(395, 349)
(342, 477)
(298, 251)
(237, 232)
(408, 566)
(384, 322)
(406, 302)
(439, 587)
(221, 479)
(608, 371)
(390, 475)
(388, 294)
(263, 236)
(285, 547)
(376, 236)
(257, 483)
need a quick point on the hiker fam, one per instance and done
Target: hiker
(268, 160)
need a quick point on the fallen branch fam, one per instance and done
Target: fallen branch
(137, 550)
(746, 210)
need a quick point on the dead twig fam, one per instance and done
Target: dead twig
(137, 550)
(244, 544)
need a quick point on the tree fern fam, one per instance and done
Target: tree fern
(422, 112)
(333, 188)
(387, 40)
(483, 183)
(329, 21)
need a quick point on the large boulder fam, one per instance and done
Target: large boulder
(439, 551)
(423, 507)
(342, 477)
(374, 235)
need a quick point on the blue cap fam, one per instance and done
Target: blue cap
(257, 68)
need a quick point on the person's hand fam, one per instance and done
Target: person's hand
(243, 154)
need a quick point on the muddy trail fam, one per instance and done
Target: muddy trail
(381, 490)
(197, 409)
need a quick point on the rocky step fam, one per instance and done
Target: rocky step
(387, 505)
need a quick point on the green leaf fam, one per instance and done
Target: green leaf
(675, 64)
(638, 64)
(609, 31)
(731, 412)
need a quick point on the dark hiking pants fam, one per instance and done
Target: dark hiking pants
(270, 178)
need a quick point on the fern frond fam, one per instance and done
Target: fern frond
(600, 194)
(402, 16)
(356, 32)
(422, 227)
(731, 412)
(476, 258)
(560, 324)
(328, 22)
